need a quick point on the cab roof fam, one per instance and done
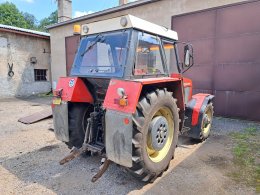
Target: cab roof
(124, 22)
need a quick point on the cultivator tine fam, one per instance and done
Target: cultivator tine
(102, 170)
(75, 152)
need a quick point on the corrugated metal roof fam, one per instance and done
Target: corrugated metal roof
(104, 12)
(24, 30)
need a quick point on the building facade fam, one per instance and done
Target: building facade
(156, 11)
(225, 35)
(24, 62)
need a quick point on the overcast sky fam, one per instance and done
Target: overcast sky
(42, 8)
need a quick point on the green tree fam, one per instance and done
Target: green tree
(10, 15)
(52, 19)
(30, 20)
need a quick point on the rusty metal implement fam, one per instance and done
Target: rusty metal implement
(75, 152)
(101, 171)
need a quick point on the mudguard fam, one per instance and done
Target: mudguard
(73, 89)
(194, 114)
(119, 128)
(118, 139)
(69, 89)
(60, 121)
(132, 90)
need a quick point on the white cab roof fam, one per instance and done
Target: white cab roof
(132, 22)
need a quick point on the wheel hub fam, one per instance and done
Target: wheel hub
(158, 132)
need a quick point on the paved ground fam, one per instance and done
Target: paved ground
(29, 157)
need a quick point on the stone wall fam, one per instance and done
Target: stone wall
(159, 12)
(18, 49)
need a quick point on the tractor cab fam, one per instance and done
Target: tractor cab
(126, 98)
(127, 51)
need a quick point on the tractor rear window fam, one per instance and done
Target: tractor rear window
(148, 55)
(103, 55)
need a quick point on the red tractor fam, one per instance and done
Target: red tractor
(126, 98)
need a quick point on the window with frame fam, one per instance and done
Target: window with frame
(148, 55)
(101, 57)
(170, 54)
(40, 74)
(103, 54)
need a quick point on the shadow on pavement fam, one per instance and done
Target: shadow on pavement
(196, 173)
(42, 167)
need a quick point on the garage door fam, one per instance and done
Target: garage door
(71, 46)
(226, 44)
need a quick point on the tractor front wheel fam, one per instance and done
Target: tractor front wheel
(155, 134)
(206, 122)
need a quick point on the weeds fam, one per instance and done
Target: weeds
(246, 157)
(49, 94)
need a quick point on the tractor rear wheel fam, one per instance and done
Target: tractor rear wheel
(155, 134)
(78, 115)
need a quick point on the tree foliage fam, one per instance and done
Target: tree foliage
(31, 21)
(52, 19)
(10, 15)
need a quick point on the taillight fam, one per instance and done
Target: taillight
(122, 100)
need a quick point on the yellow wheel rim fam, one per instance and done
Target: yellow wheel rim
(206, 121)
(154, 154)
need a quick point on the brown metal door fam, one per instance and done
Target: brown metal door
(71, 45)
(226, 44)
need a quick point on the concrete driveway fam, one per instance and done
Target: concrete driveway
(29, 156)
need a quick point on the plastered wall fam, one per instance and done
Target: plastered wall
(17, 50)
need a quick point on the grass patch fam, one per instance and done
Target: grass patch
(246, 157)
(49, 94)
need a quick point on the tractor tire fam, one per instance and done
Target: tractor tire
(206, 122)
(155, 134)
(78, 115)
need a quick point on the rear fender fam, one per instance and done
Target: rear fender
(119, 122)
(132, 90)
(194, 113)
(69, 89)
(73, 89)
(118, 136)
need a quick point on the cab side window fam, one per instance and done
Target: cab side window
(171, 62)
(148, 55)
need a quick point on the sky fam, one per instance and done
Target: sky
(43, 8)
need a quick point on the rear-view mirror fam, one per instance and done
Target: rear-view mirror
(187, 56)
